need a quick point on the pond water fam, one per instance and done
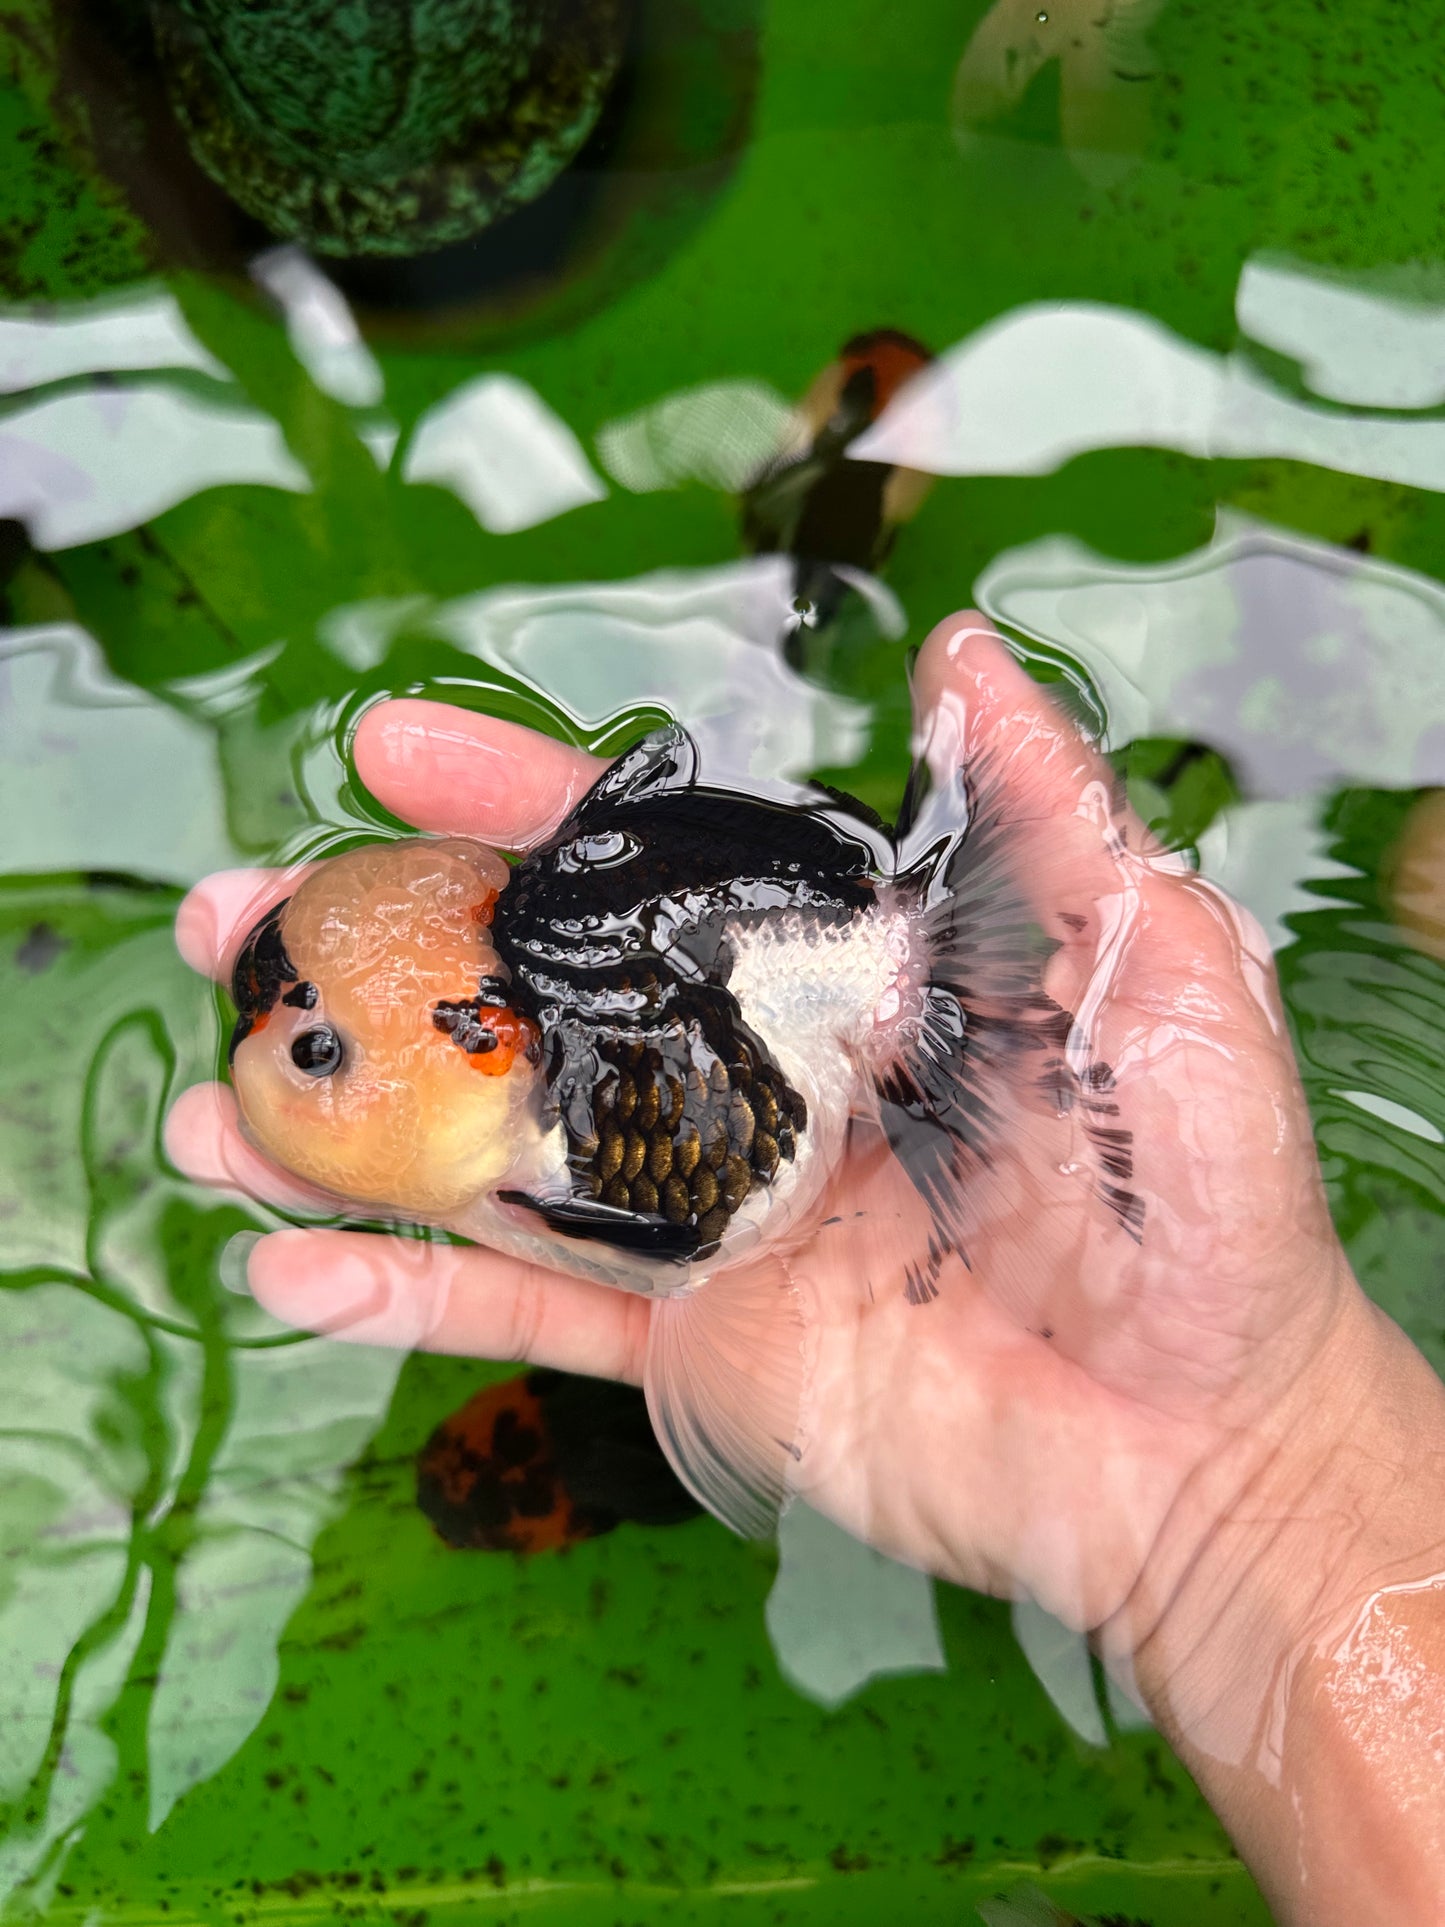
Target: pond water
(1182, 273)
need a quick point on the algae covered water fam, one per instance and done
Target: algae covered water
(1181, 276)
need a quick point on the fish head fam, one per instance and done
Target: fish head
(375, 1052)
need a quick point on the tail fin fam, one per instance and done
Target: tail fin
(994, 1097)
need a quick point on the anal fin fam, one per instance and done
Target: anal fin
(724, 1382)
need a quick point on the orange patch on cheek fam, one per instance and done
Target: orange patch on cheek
(482, 910)
(513, 1033)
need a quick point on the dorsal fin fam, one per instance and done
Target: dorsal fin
(665, 759)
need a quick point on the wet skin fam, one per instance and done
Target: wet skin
(1209, 1449)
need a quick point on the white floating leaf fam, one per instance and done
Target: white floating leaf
(720, 434)
(702, 644)
(143, 328)
(1367, 346)
(302, 1414)
(79, 467)
(497, 445)
(1052, 381)
(840, 1614)
(90, 767)
(1306, 665)
(320, 327)
(70, 1468)
(1061, 1663)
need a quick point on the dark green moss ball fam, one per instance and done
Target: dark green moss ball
(386, 127)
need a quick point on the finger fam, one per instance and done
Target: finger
(437, 766)
(974, 699)
(1082, 856)
(217, 916)
(1159, 969)
(203, 1139)
(407, 1293)
(450, 769)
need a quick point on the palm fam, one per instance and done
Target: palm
(1032, 1425)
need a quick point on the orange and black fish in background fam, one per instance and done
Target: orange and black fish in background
(832, 514)
(544, 1460)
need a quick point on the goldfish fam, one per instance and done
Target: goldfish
(638, 1053)
(543, 1461)
(813, 502)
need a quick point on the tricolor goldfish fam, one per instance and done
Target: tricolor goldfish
(832, 514)
(637, 1054)
(541, 1461)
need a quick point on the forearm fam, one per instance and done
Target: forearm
(1296, 1656)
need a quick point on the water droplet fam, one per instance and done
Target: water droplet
(1042, 18)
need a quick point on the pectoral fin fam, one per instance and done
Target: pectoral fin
(724, 1383)
(627, 1230)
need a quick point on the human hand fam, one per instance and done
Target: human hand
(1076, 1416)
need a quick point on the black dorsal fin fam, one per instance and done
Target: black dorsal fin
(665, 759)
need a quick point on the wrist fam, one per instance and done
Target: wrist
(1290, 1626)
(1291, 1520)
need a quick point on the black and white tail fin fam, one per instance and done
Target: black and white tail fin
(994, 1102)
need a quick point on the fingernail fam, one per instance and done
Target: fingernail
(235, 1262)
(969, 630)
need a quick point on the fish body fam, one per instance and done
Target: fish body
(544, 1460)
(637, 1055)
(702, 966)
(834, 515)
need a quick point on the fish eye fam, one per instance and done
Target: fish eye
(318, 1052)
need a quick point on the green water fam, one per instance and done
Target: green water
(244, 1681)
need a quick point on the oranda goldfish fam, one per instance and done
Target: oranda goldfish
(541, 1461)
(636, 1055)
(836, 516)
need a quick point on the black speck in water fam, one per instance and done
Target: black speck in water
(955, 1853)
(842, 1861)
(1053, 1846)
(42, 945)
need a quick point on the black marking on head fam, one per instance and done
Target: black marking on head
(261, 969)
(492, 992)
(303, 997)
(318, 1052)
(461, 1022)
